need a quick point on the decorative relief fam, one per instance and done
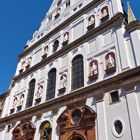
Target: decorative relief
(63, 83)
(91, 22)
(110, 63)
(104, 14)
(65, 39)
(93, 70)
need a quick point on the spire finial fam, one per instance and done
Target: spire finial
(131, 16)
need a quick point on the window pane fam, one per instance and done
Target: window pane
(77, 72)
(30, 93)
(51, 84)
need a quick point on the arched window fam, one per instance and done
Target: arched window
(77, 72)
(55, 45)
(45, 131)
(30, 96)
(51, 84)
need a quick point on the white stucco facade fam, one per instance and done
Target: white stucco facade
(111, 41)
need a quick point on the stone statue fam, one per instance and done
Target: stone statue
(15, 102)
(93, 69)
(39, 91)
(91, 20)
(63, 81)
(45, 50)
(21, 100)
(104, 12)
(29, 60)
(23, 65)
(66, 37)
(110, 61)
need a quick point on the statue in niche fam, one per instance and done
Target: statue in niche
(104, 14)
(63, 83)
(57, 13)
(66, 37)
(93, 69)
(21, 100)
(45, 52)
(29, 62)
(110, 61)
(91, 20)
(39, 91)
(15, 102)
(23, 66)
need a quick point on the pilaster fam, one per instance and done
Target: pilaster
(134, 29)
(133, 111)
(101, 118)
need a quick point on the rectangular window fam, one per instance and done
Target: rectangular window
(114, 97)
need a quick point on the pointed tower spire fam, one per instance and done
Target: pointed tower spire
(131, 16)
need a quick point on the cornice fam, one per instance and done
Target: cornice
(60, 27)
(135, 25)
(97, 90)
(115, 21)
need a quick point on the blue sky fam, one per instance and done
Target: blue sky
(18, 21)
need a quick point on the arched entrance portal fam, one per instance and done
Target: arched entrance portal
(24, 131)
(77, 122)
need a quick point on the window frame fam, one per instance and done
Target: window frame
(77, 74)
(31, 91)
(51, 85)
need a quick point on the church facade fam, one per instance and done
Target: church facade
(79, 76)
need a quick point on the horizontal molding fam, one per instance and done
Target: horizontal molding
(115, 21)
